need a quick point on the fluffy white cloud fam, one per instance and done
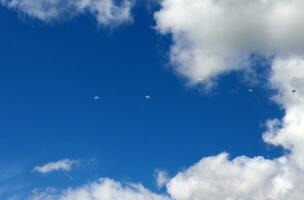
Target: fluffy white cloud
(218, 178)
(105, 189)
(107, 12)
(288, 77)
(213, 178)
(61, 165)
(212, 37)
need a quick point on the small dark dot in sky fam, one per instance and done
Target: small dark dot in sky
(294, 91)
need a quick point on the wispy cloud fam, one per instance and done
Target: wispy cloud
(61, 165)
(161, 178)
(107, 12)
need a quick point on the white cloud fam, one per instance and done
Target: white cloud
(107, 12)
(61, 165)
(213, 37)
(161, 178)
(104, 189)
(288, 77)
(213, 178)
(218, 178)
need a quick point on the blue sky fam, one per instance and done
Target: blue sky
(51, 71)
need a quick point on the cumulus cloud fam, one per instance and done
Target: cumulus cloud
(213, 37)
(61, 165)
(218, 178)
(104, 189)
(288, 77)
(213, 178)
(107, 12)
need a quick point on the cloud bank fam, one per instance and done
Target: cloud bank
(107, 12)
(61, 165)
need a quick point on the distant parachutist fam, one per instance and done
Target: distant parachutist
(147, 97)
(294, 91)
(97, 98)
